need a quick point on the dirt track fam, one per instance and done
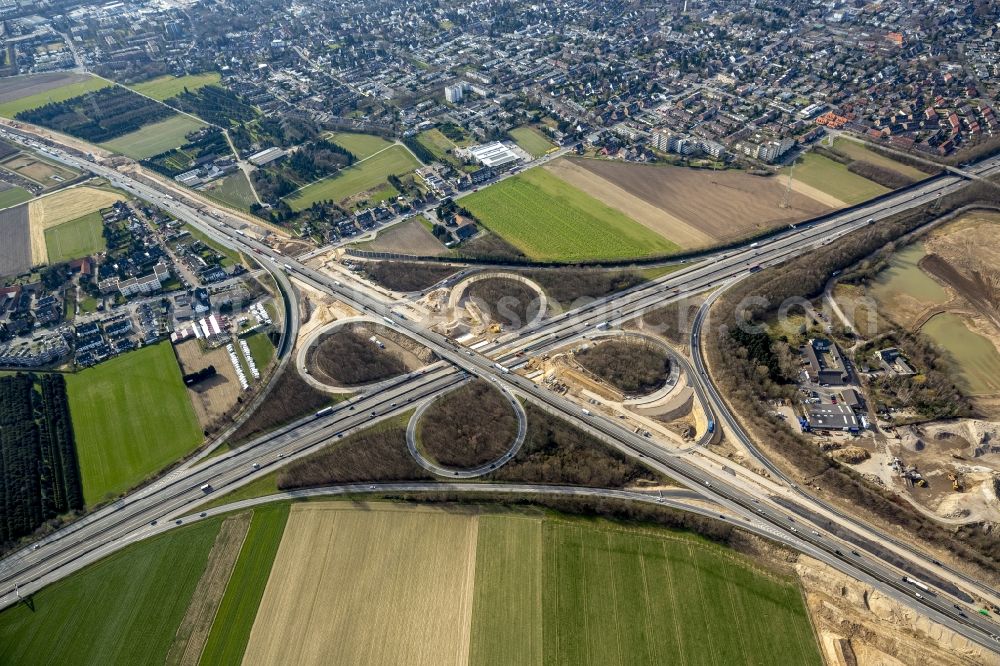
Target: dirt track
(723, 205)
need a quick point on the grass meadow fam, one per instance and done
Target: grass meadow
(531, 140)
(131, 416)
(121, 610)
(232, 190)
(13, 196)
(165, 87)
(360, 145)
(75, 239)
(833, 178)
(154, 139)
(360, 177)
(550, 220)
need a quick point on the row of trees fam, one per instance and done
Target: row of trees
(39, 472)
(310, 162)
(98, 116)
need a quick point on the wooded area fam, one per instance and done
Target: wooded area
(98, 116)
(635, 368)
(468, 427)
(39, 472)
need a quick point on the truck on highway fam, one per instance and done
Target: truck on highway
(711, 425)
(602, 326)
(502, 368)
(754, 245)
(326, 411)
(288, 268)
(754, 269)
(586, 412)
(916, 583)
(389, 321)
(206, 488)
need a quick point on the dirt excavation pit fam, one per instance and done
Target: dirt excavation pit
(359, 353)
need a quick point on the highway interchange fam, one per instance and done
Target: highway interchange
(154, 508)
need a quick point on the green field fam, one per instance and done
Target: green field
(238, 609)
(531, 140)
(13, 196)
(550, 220)
(609, 594)
(261, 349)
(507, 623)
(436, 142)
(122, 610)
(131, 416)
(75, 239)
(361, 145)
(360, 177)
(165, 87)
(154, 139)
(233, 190)
(62, 93)
(857, 151)
(834, 179)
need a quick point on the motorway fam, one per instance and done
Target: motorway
(103, 532)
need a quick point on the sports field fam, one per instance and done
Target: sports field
(531, 140)
(155, 138)
(77, 238)
(14, 104)
(131, 416)
(42, 171)
(360, 145)
(165, 87)
(834, 179)
(233, 190)
(392, 585)
(13, 196)
(550, 220)
(360, 177)
(235, 616)
(122, 610)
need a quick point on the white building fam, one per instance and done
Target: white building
(494, 155)
(454, 93)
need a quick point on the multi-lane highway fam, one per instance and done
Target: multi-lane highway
(108, 529)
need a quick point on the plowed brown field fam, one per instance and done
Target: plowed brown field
(697, 207)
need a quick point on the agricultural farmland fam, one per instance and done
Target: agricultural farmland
(235, 616)
(132, 417)
(15, 251)
(61, 207)
(155, 138)
(21, 93)
(548, 219)
(12, 196)
(77, 238)
(692, 207)
(360, 177)
(376, 587)
(122, 610)
(833, 179)
(164, 87)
